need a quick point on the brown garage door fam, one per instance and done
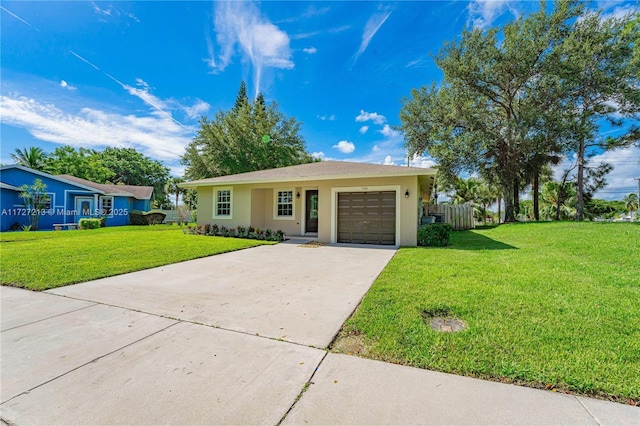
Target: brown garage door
(367, 217)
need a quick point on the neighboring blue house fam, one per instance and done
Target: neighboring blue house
(69, 199)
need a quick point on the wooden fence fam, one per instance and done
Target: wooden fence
(459, 216)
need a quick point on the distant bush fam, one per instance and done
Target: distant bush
(153, 217)
(434, 235)
(87, 223)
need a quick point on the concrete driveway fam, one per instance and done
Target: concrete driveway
(229, 339)
(300, 294)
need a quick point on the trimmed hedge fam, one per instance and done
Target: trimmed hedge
(152, 217)
(87, 223)
(434, 235)
(247, 232)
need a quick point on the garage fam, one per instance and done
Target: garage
(367, 217)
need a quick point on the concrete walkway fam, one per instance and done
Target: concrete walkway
(237, 339)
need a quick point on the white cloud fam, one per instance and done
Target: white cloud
(422, 161)
(345, 147)
(156, 136)
(331, 117)
(619, 11)
(388, 131)
(388, 162)
(621, 179)
(106, 12)
(239, 25)
(373, 116)
(310, 50)
(334, 30)
(363, 129)
(370, 29)
(196, 110)
(66, 85)
(375, 148)
(319, 154)
(482, 13)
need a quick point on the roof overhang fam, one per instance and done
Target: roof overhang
(49, 176)
(196, 184)
(10, 187)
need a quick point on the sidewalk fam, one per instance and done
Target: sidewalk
(356, 391)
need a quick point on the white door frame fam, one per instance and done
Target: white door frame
(77, 204)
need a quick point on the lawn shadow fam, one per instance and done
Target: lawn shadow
(470, 240)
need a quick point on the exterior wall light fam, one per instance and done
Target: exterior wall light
(406, 194)
(298, 195)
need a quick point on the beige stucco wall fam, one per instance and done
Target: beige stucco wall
(253, 204)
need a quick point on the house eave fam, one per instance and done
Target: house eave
(48, 176)
(204, 183)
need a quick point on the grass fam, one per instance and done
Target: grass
(548, 305)
(44, 260)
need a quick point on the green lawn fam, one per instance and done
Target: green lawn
(43, 260)
(550, 305)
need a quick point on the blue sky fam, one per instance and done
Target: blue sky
(140, 74)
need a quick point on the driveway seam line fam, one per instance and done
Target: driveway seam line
(53, 316)
(588, 411)
(89, 362)
(276, 339)
(304, 389)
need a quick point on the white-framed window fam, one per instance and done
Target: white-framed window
(222, 199)
(283, 204)
(106, 206)
(45, 201)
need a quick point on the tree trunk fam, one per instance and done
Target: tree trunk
(536, 187)
(516, 197)
(509, 214)
(499, 211)
(580, 181)
(558, 203)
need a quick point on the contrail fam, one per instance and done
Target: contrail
(127, 88)
(18, 18)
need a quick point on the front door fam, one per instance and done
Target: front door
(312, 211)
(84, 208)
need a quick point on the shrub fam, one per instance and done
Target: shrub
(434, 235)
(103, 221)
(138, 217)
(87, 223)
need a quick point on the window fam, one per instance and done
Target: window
(106, 204)
(223, 202)
(284, 204)
(43, 201)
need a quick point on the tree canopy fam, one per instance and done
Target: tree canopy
(252, 136)
(82, 162)
(510, 101)
(33, 157)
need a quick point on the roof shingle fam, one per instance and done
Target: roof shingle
(138, 192)
(322, 170)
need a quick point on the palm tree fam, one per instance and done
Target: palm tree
(631, 202)
(173, 188)
(484, 196)
(559, 199)
(466, 190)
(33, 157)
